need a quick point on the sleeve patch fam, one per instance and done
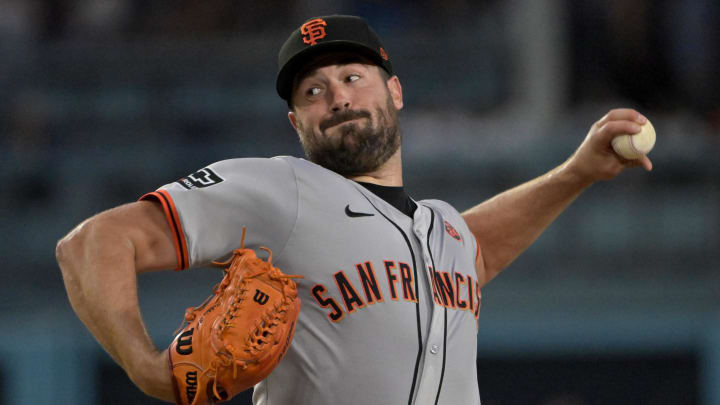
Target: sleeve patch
(202, 178)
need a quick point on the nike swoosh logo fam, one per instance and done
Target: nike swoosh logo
(353, 214)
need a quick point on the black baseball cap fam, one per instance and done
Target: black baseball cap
(327, 34)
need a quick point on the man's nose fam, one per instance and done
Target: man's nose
(340, 97)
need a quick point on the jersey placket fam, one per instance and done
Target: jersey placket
(433, 356)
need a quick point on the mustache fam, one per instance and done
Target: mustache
(343, 116)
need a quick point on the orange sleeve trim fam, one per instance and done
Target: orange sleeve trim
(175, 225)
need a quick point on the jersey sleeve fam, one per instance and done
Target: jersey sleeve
(207, 210)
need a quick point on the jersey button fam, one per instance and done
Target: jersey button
(434, 349)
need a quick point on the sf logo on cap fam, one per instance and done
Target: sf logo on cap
(313, 30)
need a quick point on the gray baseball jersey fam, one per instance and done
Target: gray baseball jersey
(389, 303)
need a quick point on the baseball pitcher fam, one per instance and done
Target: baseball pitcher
(390, 286)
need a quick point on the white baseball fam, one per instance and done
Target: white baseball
(635, 146)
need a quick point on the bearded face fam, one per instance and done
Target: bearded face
(353, 142)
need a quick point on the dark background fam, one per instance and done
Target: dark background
(619, 300)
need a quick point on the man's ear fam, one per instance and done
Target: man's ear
(293, 119)
(395, 88)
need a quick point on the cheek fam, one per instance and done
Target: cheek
(303, 122)
(308, 129)
(311, 118)
(304, 129)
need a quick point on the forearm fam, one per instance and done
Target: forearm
(510, 222)
(98, 267)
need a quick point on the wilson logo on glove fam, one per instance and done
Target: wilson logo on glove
(230, 342)
(184, 342)
(191, 382)
(260, 297)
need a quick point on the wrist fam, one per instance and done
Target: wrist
(151, 373)
(573, 175)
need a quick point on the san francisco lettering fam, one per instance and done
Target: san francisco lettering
(451, 290)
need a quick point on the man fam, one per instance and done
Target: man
(391, 288)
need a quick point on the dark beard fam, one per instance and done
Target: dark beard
(360, 148)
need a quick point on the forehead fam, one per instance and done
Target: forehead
(337, 68)
(331, 59)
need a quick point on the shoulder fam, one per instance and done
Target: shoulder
(441, 207)
(285, 172)
(251, 164)
(311, 174)
(238, 169)
(236, 175)
(449, 215)
(276, 163)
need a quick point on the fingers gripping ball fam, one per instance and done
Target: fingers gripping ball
(635, 146)
(238, 335)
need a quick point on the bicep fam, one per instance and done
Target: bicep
(145, 227)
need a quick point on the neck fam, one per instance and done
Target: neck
(389, 174)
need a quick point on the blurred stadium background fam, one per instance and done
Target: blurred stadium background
(617, 303)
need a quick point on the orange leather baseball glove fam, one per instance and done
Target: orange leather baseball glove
(238, 335)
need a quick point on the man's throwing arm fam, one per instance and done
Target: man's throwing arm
(510, 222)
(100, 260)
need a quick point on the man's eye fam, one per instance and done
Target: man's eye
(352, 78)
(313, 91)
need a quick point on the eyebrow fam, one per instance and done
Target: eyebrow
(311, 71)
